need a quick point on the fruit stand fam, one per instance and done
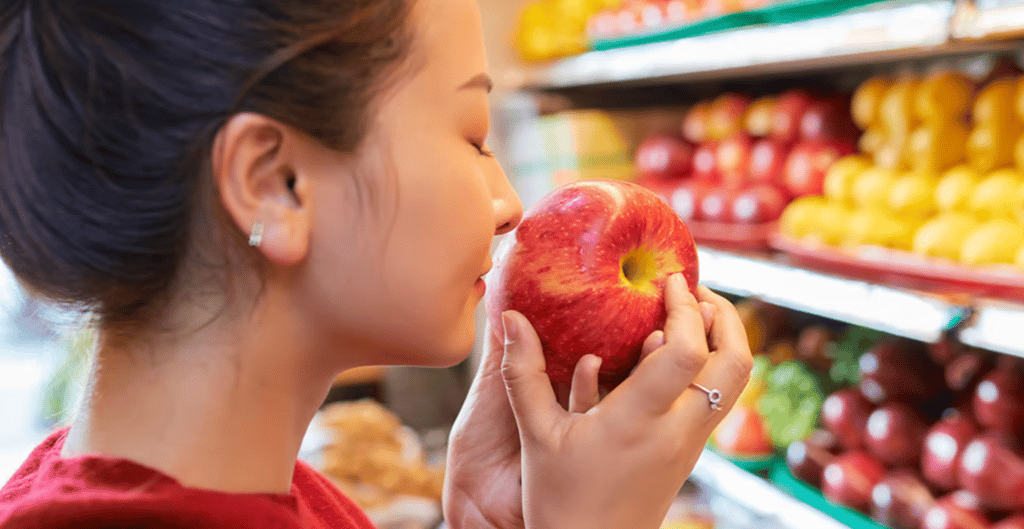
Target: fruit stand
(859, 164)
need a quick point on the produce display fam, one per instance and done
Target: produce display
(644, 16)
(740, 161)
(939, 173)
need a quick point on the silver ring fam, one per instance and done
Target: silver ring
(714, 396)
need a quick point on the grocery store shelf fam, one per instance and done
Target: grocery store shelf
(773, 507)
(896, 311)
(885, 32)
(989, 20)
(996, 327)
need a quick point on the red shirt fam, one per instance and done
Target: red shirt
(49, 491)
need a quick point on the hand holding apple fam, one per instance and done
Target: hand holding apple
(587, 267)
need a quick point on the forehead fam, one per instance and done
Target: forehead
(448, 41)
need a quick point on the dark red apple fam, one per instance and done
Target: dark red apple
(850, 479)
(895, 433)
(808, 458)
(900, 369)
(945, 350)
(758, 122)
(828, 118)
(993, 470)
(733, 160)
(687, 197)
(967, 370)
(758, 203)
(767, 159)
(705, 164)
(789, 112)
(957, 510)
(717, 205)
(999, 399)
(901, 500)
(662, 156)
(695, 122)
(1013, 522)
(943, 444)
(587, 267)
(806, 165)
(845, 413)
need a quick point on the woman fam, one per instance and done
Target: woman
(252, 196)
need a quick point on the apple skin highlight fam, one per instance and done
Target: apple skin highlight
(587, 267)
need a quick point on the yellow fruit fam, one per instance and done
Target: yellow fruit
(944, 235)
(1019, 261)
(990, 148)
(1018, 99)
(754, 323)
(894, 153)
(840, 177)
(799, 217)
(913, 195)
(937, 147)
(993, 197)
(954, 190)
(872, 140)
(897, 109)
(1018, 203)
(994, 242)
(878, 228)
(943, 96)
(867, 100)
(752, 392)
(831, 224)
(994, 106)
(1018, 153)
(871, 188)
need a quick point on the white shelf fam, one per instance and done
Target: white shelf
(880, 32)
(988, 20)
(996, 326)
(773, 507)
(900, 312)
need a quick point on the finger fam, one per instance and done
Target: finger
(523, 369)
(584, 393)
(655, 340)
(727, 331)
(660, 378)
(707, 312)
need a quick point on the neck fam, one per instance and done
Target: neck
(224, 408)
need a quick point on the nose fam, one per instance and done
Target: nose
(508, 209)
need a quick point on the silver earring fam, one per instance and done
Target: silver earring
(256, 237)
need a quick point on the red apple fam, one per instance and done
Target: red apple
(789, 111)
(806, 165)
(695, 122)
(767, 159)
(742, 433)
(845, 413)
(967, 370)
(705, 164)
(900, 369)
(758, 121)
(957, 510)
(851, 477)
(808, 458)
(828, 119)
(945, 350)
(895, 433)
(733, 160)
(943, 444)
(1013, 522)
(901, 500)
(686, 199)
(725, 117)
(999, 399)
(758, 203)
(717, 205)
(994, 471)
(587, 267)
(664, 157)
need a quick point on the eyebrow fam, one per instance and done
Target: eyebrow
(480, 80)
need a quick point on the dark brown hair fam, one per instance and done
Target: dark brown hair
(108, 109)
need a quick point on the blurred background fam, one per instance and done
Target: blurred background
(853, 172)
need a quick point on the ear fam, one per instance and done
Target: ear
(258, 182)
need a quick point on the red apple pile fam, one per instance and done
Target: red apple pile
(932, 438)
(742, 161)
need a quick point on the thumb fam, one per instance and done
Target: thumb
(529, 388)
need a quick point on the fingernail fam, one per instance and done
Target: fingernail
(660, 339)
(511, 329)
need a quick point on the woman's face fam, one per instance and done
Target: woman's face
(400, 243)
